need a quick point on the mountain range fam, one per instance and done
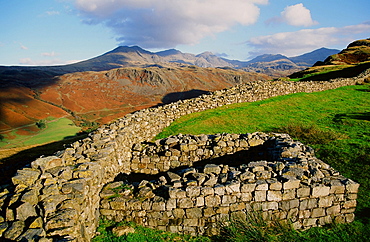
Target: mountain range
(134, 56)
(126, 79)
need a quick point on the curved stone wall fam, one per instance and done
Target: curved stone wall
(57, 197)
(216, 178)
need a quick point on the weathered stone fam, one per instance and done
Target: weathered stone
(26, 177)
(192, 191)
(3, 227)
(25, 211)
(123, 230)
(37, 223)
(260, 196)
(320, 191)
(291, 184)
(14, 230)
(48, 162)
(274, 196)
(212, 201)
(185, 203)
(32, 235)
(212, 168)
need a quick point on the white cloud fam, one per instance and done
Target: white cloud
(52, 62)
(295, 43)
(50, 13)
(295, 15)
(167, 23)
(298, 15)
(49, 54)
(23, 47)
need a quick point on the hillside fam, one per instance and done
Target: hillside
(87, 97)
(348, 63)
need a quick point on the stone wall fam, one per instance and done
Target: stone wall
(228, 183)
(57, 197)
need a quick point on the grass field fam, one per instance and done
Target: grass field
(55, 130)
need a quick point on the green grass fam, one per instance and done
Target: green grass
(141, 234)
(54, 130)
(255, 229)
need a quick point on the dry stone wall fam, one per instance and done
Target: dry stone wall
(56, 198)
(291, 184)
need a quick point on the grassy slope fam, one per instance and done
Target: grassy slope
(55, 130)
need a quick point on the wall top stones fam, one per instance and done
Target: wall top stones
(58, 197)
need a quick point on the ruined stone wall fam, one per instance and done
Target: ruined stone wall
(57, 197)
(230, 182)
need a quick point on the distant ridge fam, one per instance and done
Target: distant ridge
(275, 65)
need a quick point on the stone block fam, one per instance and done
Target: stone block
(178, 213)
(212, 168)
(260, 196)
(350, 217)
(232, 187)
(325, 220)
(192, 191)
(318, 212)
(275, 185)
(222, 210)
(171, 204)
(212, 201)
(248, 187)
(199, 202)
(185, 202)
(309, 222)
(246, 197)
(320, 191)
(333, 210)
(26, 177)
(337, 187)
(237, 207)
(303, 192)
(227, 199)
(274, 196)
(289, 194)
(194, 213)
(176, 193)
(350, 204)
(219, 189)
(352, 187)
(262, 185)
(25, 211)
(291, 184)
(325, 202)
(269, 206)
(205, 191)
(304, 214)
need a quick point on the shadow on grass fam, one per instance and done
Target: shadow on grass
(358, 116)
(10, 165)
(343, 73)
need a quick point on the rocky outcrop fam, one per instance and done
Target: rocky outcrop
(58, 197)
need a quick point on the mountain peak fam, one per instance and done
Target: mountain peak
(128, 49)
(168, 52)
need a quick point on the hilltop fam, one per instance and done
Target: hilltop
(348, 63)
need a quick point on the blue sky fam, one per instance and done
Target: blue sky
(52, 32)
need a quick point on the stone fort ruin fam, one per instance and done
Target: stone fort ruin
(183, 183)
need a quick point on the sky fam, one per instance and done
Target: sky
(56, 32)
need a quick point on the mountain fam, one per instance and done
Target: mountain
(356, 52)
(27, 96)
(349, 62)
(311, 58)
